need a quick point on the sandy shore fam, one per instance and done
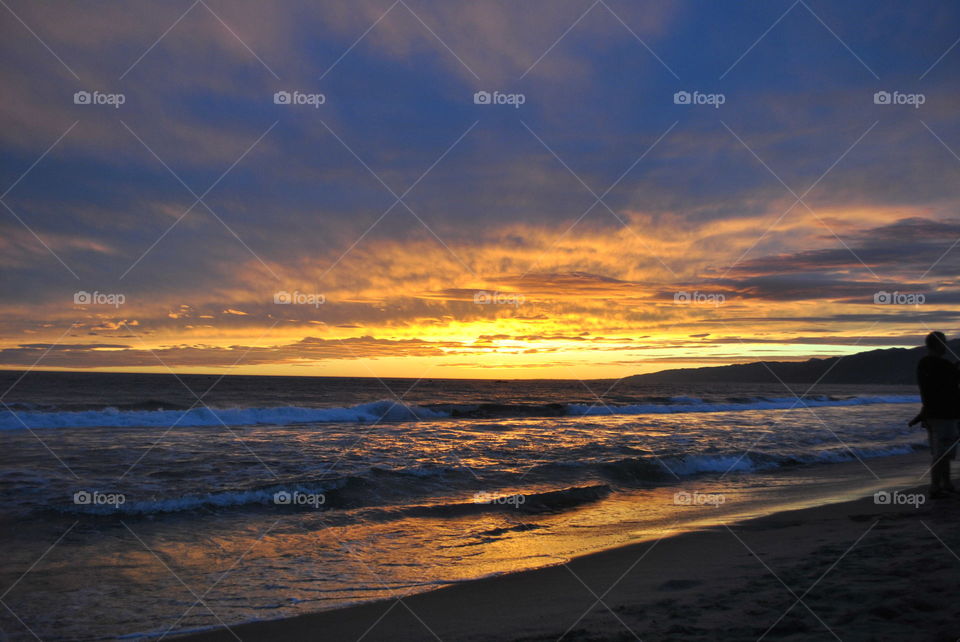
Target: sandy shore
(850, 571)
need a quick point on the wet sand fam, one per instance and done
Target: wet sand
(856, 570)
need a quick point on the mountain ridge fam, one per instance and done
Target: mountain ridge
(884, 366)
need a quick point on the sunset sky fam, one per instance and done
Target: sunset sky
(598, 229)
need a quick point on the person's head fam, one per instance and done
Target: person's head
(936, 343)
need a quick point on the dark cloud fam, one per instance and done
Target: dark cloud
(93, 355)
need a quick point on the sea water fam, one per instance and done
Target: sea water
(136, 505)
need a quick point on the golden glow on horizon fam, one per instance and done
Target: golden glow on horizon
(594, 305)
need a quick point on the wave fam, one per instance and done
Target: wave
(552, 501)
(103, 502)
(632, 470)
(373, 412)
(385, 494)
(756, 403)
(290, 497)
(154, 414)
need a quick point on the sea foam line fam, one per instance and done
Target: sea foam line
(379, 411)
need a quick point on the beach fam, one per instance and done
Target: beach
(854, 570)
(479, 320)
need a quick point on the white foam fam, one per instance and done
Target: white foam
(378, 411)
(223, 499)
(696, 464)
(111, 417)
(780, 403)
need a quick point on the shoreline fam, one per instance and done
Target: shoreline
(739, 577)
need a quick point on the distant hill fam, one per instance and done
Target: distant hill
(896, 366)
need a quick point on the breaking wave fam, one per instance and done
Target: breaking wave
(155, 414)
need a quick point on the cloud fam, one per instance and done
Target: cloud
(101, 355)
(597, 201)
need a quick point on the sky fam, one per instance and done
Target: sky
(550, 189)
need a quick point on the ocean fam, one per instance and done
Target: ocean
(141, 505)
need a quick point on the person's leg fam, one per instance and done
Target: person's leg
(939, 429)
(940, 476)
(949, 437)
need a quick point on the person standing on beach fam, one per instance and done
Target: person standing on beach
(939, 381)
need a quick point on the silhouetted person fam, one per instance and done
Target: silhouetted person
(939, 381)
